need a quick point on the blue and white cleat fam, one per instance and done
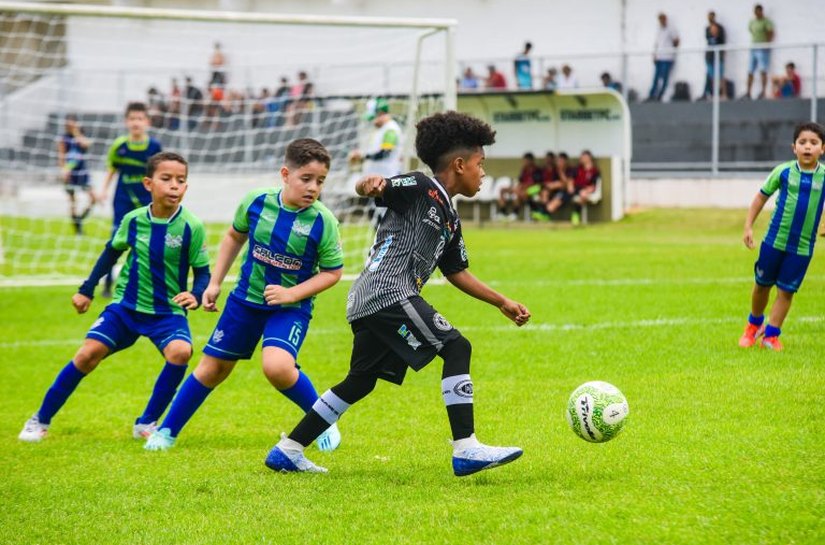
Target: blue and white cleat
(293, 462)
(160, 440)
(474, 459)
(329, 440)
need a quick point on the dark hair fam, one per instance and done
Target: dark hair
(790, 65)
(529, 155)
(757, 6)
(70, 117)
(815, 128)
(563, 155)
(305, 150)
(158, 158)
(445, 133)
(136, 107)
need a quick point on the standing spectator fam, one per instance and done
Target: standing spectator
(664, 55)
(550, 83)
(157, 108)
(610, 83)
(567, 80)
(469, 81)
(715, 36)
(217, 63)
(194, 103)
(173, 119)
(789, 85)
(761, 29)
(523, 68)
(495, 79)
(296, 98)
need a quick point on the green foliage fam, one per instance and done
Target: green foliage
(722, 445)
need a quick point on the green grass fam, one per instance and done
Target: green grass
(722, 444)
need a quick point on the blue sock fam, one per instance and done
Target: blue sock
(165, 387)
(756, 320)
(191, 395)
(771, 331)
(302, 393)
(63, 386)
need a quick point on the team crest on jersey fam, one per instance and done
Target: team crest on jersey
(408, 336)
(302, 229)
(174, 241)
(441, 322)
(217, 336)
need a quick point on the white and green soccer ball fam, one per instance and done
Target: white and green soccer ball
(597, 411)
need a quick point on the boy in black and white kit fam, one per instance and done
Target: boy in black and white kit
(394, 328)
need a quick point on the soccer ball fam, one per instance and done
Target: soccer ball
(597, 411)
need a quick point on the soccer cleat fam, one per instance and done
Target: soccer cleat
(33, 430)
(329, 440)
(772, 343)
(160, 440)
(752, 332)
(296, 462)
(475, 459)
(143, 431)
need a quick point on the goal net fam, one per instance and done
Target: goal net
(227, 90)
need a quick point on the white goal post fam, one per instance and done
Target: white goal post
(90, 61)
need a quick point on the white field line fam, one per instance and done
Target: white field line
(503, 328)
(67, 281)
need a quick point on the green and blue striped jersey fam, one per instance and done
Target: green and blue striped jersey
(798, 207)
(162, 252)
(129, 159)
(286, 246)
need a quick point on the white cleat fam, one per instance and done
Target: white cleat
(329, 440)
(474, 459)
(33, 431)
(143, 431)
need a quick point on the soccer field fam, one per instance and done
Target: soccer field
(722, 444)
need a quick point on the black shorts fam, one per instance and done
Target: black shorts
(407, 334)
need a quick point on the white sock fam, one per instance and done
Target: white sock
(289, 446)
(467, 442)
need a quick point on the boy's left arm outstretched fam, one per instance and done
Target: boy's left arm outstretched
(469, 284)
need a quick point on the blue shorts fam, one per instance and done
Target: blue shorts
(78, 181)
(760, 60)
(119, 327)
(784, 269)
(241, 326)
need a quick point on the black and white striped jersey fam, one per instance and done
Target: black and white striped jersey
(420, 231)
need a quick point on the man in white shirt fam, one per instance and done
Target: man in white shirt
(664, 55)
(567, 80)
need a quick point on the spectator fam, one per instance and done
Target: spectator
(298, 90)
(495, 79)
(563, 191)
(788, 85)
(469, 81)
(567, 80)
(259, 109)
(297, 101)
(664, 55)
(715, 36)
(217, 63)
(549, 83)
(194, 103)
(761, 30)
(523, 69)
(156, 108)
(512, 198)
(549, 170)
(280, 98)
(173, 108)
(607, 81)
(551, 182)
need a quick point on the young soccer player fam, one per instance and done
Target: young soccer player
(789, 243)
(294, 253)
(393, 326)
(127, 158)
(151, 297)
(71, 158)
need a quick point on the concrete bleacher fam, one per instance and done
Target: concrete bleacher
(750, 131)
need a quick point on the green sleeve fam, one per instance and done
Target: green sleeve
(198, 253)
(330, 253)
(111, 157)
(241, 221)
(121, 239)
(390, 140)
(774, 181)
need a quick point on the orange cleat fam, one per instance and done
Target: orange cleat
(752, 332)
(772, 343)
